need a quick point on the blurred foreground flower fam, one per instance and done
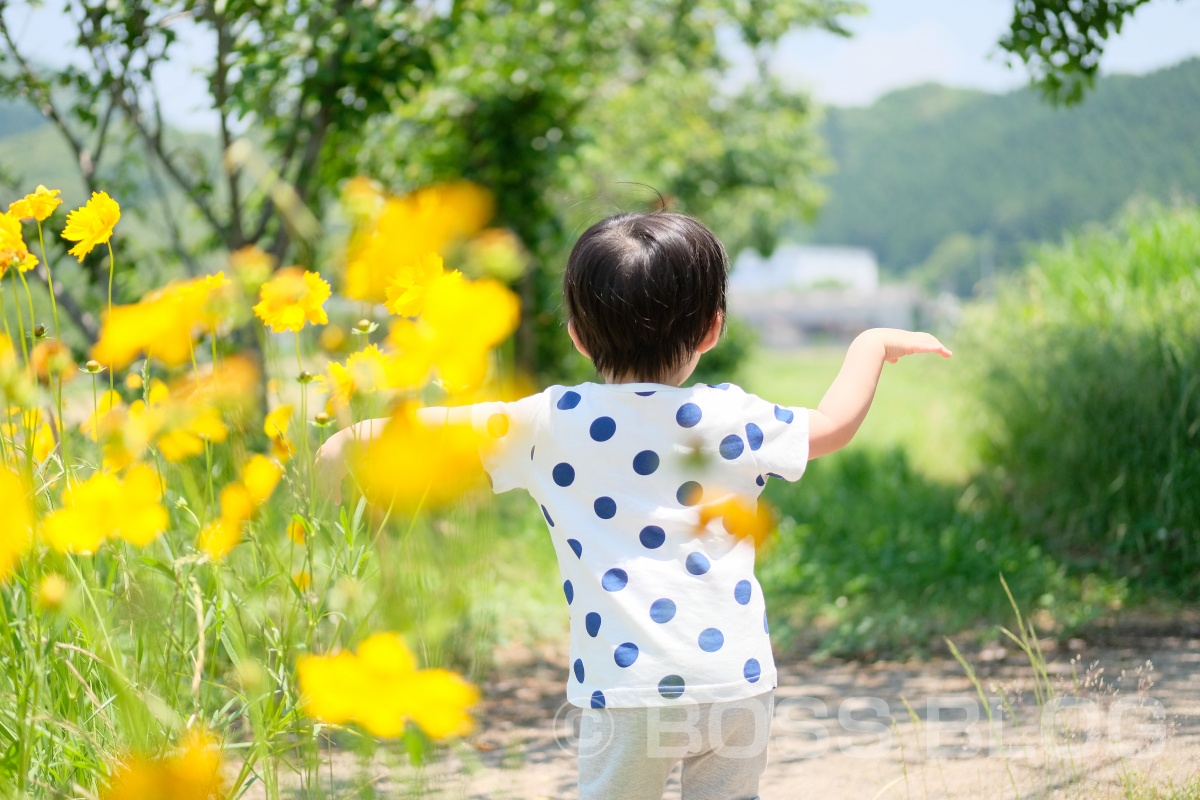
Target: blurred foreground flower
(14, 254)
(16, 525)
(38, 204)
(416, 465)
(741, 517)
(92, 224)
(461, 321)
(407, 231)
(52, 591)
(108, 507)
(292, 298)
(193, 772)
(381, 689)
(275, 426)
(164, 324)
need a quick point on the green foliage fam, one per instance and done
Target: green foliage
(1062, 41)
(926, 164)
(885, 561)
(1090, 369)
(726, 361)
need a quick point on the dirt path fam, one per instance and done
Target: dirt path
(904, 730)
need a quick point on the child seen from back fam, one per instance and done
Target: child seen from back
(670, 653)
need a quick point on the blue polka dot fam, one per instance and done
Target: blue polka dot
(645, 462)
(760, 480)
(662, 610)
(615, 579)
(606, 507)
(546, 514)
(569, 591)
(568, 401)
(576, 547)
(711, 640)
(741, 592)
(697, 564)
(721, 386)
(643, 394)
(689, 493)
(591, 623)
(652, 537)
(752, 670)
(775, 475)
(671, 687)
(626, 654)
(597, 699)
(784, 415)
(731, 447)
(688, 415)
(765, 628)
(497, 425)
(579, 670)
(754, 436)
(564, 474)
(603, 429)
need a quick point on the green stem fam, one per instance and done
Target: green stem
(20, 323)
(49, 282)
(29, 297)
(112, 268)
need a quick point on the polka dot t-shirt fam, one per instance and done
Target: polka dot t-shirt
(661, 608)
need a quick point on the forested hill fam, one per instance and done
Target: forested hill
(934, 166)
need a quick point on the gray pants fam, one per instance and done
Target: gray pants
(628, 753)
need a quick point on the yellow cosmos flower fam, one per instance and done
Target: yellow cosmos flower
(295, 531)
(107, 507)
(497, 253)
(16, 525)
(275, 426)
(13, 250)
(291, 299)
(52, 591)
(362, 198)
(92, 224)
(220, 536)
(461, 322)
(260, 476)
(50, 357)
(740, 517)
(417, 465)
(251, 266)
(302, 580)
(193, 772)
(164, 325)
(39, 204)
(365, 372)
(408, 229)
(409, 283)
(381, 689)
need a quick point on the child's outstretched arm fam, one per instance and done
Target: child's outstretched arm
(331, 464)
(833, 423)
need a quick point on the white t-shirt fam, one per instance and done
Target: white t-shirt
(661, 609)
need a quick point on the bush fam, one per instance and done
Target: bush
(1090, 375)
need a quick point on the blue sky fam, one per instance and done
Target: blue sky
(897, 43)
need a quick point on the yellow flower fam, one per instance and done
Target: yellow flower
(381, 689)
(365, 371)
(417, 465)
(408, 229)
(260, 475)
(409, 282)
(741, 517)
(295, 531)
(497, 253)
(107, 507)
(220, 536)
(302, 580)
(16, 525)
(275, 426)
(362, 198)
(13, 250)
(251, 266)
(39, 204)
(92, 224)
(333, 339)
(292, 298)
(52, 591)
(193, 772)
(461, 322)
(164, 324)
(51, 357)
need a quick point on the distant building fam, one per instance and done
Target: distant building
(805, 294)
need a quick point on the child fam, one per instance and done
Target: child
(665, 611)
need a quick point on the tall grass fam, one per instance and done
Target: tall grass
(1089, 370)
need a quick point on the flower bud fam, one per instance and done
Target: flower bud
(322, 419)
(39, 331)
(92, 367)
(305, 376)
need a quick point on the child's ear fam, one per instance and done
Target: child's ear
(712, 337)
(575, 340)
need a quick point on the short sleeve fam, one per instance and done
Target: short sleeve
(778, 437)
(508, 434)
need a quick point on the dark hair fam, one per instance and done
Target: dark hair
(642, 290)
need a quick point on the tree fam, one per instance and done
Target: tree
(1062, 41)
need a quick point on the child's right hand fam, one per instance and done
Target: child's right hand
(899, 343)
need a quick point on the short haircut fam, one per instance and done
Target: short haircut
(642, 290)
